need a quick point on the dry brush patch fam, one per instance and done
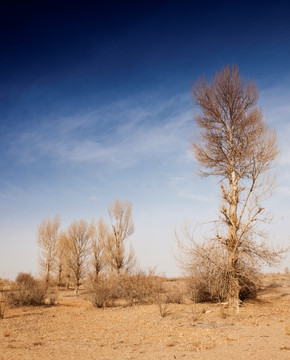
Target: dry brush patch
(77, 328)
(26, 291)
(127, 289)
(4, 303)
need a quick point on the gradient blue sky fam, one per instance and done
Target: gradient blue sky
(95, 106)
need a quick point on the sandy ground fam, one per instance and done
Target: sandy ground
(74, 329)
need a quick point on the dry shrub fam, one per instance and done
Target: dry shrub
(210, 274)
(137, 288)
(3, 297)
(250, 285)
(173, 295)
(51, 296)
(163, 304)
(3, 303)
(209, 282)
(100, 292)
(27, 291)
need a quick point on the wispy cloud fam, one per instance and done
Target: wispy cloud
(191, 196)
(119, 135)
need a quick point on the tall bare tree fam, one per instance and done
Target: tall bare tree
(236, 145)
(78, 251)
(47, 237)
(122, 227)
(60, 258)
(99, 234)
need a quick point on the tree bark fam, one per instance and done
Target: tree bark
(234, 288)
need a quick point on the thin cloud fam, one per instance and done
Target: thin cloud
(188, 195)
(100, 137)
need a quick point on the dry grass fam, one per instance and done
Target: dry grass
(77, 328)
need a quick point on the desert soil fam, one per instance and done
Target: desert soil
(74, 329)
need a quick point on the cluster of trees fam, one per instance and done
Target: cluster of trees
(233, 143)
(69, 255)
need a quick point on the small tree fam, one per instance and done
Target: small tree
(47, 238)
(77, 250)
(99, 235)
(122, 227)
(60, 258)
(236, 145)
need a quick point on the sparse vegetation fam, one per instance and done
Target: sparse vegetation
(3, 297)
(209, 279)
(100, 292)
(158, 320)
(26, 290)
(163, 304)
(236, 145)
(137, 288)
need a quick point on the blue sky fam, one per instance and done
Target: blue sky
(95, 106)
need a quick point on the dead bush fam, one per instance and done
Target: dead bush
(51, 296)
(162, 302)
(3, 298)
(173, 295)
(100, 293)
(249, 286)
(27, 291)
(3, 304)
(207, 288)
(137, 288)
(210, 283)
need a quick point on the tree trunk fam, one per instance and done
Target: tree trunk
(232, 247)
(47, 275)
(234, 286)
(77, 284)
(59, 276)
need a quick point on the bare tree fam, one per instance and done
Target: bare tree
(60, 258)
(122, 227)
(236, 145)
(47, 236)
(77, 250)
(99, 234)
